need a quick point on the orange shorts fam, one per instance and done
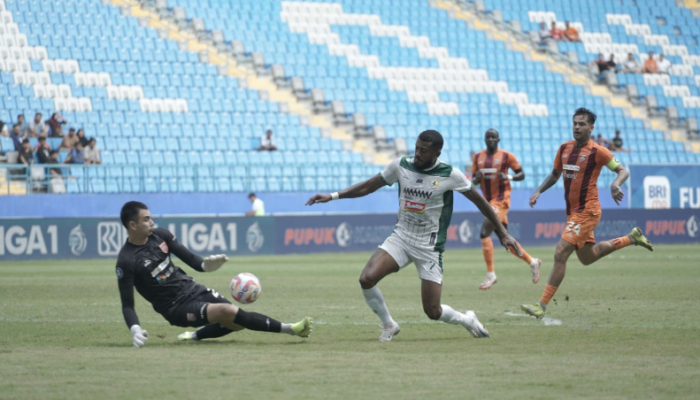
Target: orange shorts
(501, 208)
(579, 228)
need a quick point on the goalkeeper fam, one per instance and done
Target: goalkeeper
(144, 262)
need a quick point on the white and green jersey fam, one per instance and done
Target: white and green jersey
(425, 201)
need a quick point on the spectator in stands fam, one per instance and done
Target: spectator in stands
(77, 155)
(53, 159)
(545, 35)
(570, 33)
(92, 153)
(612, 65)
(4, 131)
(557, 34)
(267, 143)
(616, 143)
(258, 206)
(603, 66)
(54, 124)
(43, 150)
(17, 136)
(663, 65)
(650, 65)
(23, 126)
(631, 66)
(26, 155)
(601, 141)
(70, 140)
(37, 127)
(81, 136)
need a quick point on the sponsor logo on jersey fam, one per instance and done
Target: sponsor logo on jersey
(582, 158)
(489, 170)
(417, 193)
(147, 263)
(570, 176)
(419, 181)
(163, 247)
(191, 317)
(418, 208)
(157, 270)
(570, 167)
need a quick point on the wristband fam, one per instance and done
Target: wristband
(510, 177)
(335, 196)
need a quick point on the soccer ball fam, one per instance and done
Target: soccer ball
(245, 288)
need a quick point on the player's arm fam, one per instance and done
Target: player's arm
(125, 280)
(361, 189)
(518, 176)
(622, 175)
(548, 182)
(207, 264)
(480, 202)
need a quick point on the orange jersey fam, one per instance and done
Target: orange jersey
(581, 167)
(490, 166)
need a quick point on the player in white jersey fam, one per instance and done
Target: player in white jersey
(426, 187)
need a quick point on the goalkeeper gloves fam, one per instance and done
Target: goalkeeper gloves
(212, 263)
(139, 336)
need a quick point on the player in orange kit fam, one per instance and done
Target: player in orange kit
(581, 161)
(490, 169)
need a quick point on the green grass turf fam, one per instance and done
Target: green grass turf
(629, 329)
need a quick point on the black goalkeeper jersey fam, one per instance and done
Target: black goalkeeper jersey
(150, 269)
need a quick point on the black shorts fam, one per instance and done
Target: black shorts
(193, 312)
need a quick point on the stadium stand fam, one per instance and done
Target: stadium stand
(167, 122)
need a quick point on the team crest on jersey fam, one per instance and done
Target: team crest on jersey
(582, 158)
(481, 162)
(163, 247)
(497, 162)
(435, 183)
(566, 155)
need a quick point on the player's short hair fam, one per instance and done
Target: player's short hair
(590, 115)
(492, 130)
(251, 195)
(433, 137)
(130, 212)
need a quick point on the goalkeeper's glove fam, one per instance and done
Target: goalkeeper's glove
(139, 336)
(212, 263)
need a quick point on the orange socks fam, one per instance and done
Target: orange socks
(487, 248)
(622, 242)
(549, 291)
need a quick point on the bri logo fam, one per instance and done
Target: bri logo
(418, 208)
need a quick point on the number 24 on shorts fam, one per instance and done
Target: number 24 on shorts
(570, 227)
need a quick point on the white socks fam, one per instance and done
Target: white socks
(287, 328)
(490, 274)
(450, 316)
(375, 301)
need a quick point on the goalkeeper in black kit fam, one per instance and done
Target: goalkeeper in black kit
(144, 262)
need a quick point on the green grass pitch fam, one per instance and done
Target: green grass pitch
(625, 327)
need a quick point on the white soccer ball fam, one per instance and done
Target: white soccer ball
(245, 288)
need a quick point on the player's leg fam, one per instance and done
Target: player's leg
(534, 263)
(430, 271)
(382, 263)
(592, 252)
(213, 330)
(232, 317)
(487, 249)
(561, 256)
